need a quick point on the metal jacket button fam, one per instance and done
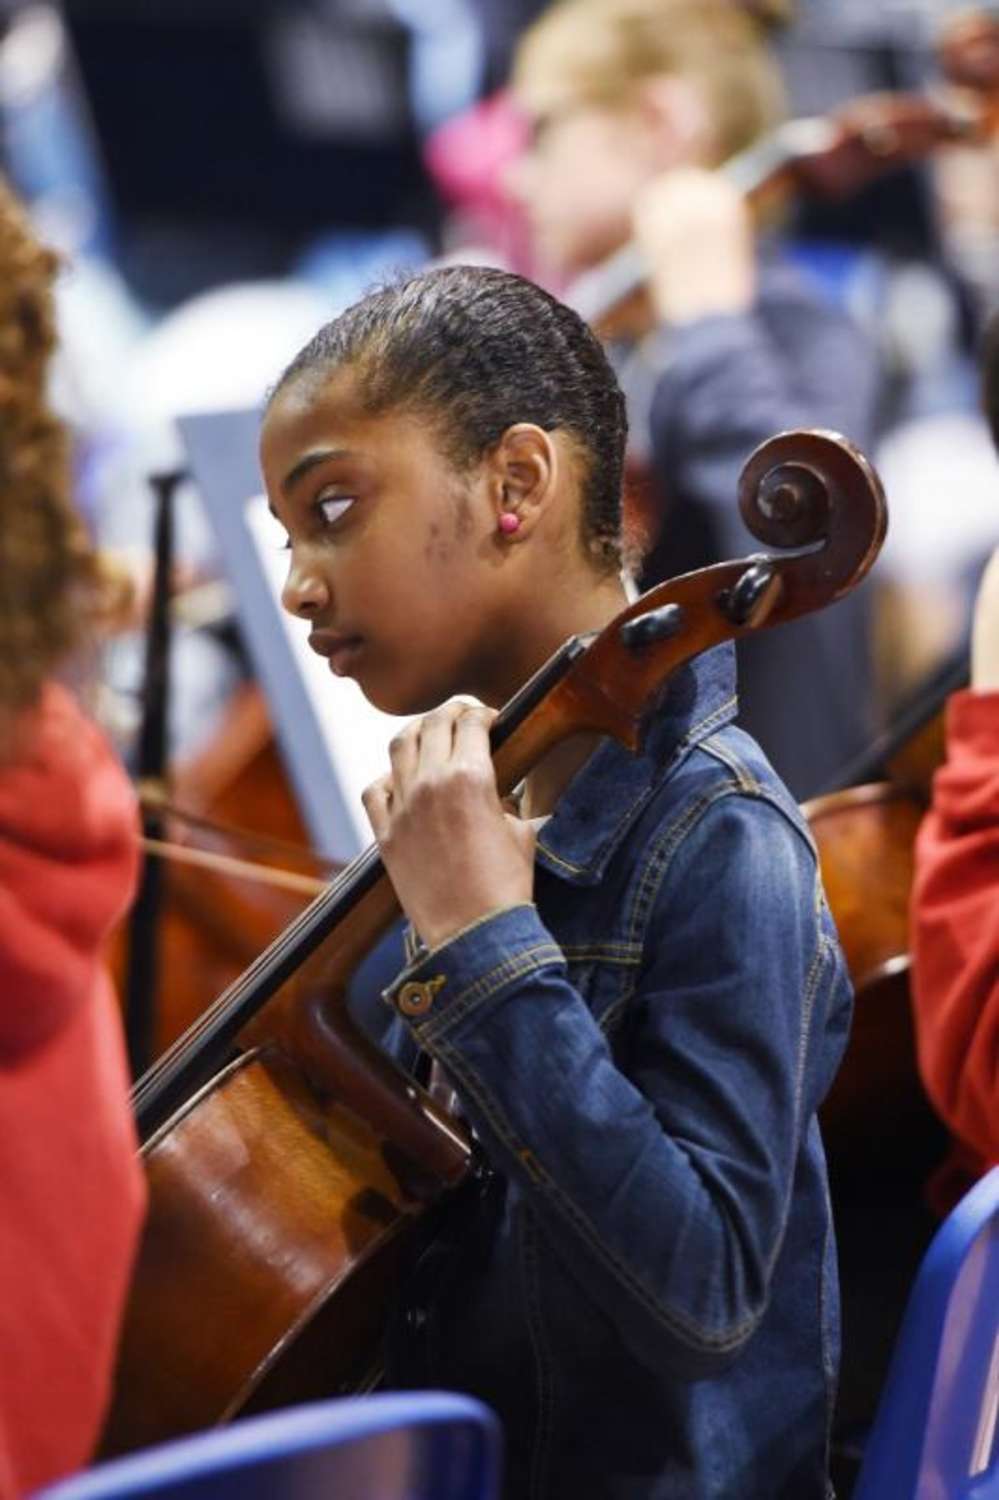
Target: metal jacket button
(417, 995)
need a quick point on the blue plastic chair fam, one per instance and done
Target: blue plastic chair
(414, 1446)
(936, 1433)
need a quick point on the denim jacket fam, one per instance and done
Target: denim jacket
(643, 1281)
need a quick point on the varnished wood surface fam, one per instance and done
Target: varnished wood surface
(269, 1208)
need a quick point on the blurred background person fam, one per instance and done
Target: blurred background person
(914, 256)
(71, 1189)
(635, 105)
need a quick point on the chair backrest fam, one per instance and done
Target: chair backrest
(426, 1445)
(937, 1424)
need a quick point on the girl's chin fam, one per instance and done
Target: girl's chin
(404, 693)
(402, 702)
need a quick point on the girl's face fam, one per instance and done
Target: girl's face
(393, 553)
(577, 182)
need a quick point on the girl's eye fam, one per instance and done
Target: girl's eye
(334, 506)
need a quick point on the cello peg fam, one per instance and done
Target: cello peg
(751, 598)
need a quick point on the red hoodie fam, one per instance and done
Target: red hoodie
(955, 931)
(71, 1190)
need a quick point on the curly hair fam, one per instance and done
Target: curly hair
(479, 350)
(51, 586)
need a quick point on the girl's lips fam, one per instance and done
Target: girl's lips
(342, 656)
(339, 650)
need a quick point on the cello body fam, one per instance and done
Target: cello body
(276, 1231)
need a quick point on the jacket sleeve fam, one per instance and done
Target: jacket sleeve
(729, 382)
(955, 928)
(667, 1190)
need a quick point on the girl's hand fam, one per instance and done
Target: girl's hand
(451, 850)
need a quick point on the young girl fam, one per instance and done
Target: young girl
(70, 1185)
(634, 987)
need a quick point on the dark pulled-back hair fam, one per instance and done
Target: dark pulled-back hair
(479, 350)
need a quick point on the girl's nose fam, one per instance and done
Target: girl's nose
(304, 593)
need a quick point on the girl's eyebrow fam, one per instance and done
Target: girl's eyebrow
(308, 462)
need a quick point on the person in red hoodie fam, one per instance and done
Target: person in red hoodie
(955, 899)
(71, 1190)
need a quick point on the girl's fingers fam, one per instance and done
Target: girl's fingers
(455, 736)
(436, 743)
(425, 745)
(471, 735)
(404, 755)
(377, 799)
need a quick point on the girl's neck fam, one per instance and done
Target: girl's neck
(545, 783)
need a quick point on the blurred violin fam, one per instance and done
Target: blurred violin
(829, 157)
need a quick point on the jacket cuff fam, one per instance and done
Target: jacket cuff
(479, 964)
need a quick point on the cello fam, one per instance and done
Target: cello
(286, 1183)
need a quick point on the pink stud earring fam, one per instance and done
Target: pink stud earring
(509, 522)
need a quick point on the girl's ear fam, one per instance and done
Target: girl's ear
(523, 472)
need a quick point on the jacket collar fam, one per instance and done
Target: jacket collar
(603, 800)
